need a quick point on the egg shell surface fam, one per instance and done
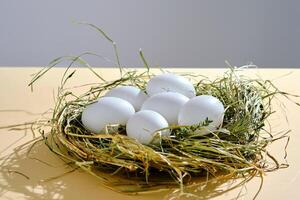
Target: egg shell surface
(200, 108)
(167, 104)
(132, 94)
(169, 82)
(143, 125)
(108, 110)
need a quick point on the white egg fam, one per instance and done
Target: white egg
(200, 108)
(108, 110)
(143, 125)
(167, 104)
(132, 94)
(170, 83)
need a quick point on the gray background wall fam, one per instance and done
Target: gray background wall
(191, 33)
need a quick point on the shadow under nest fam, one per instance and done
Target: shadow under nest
(33, 171)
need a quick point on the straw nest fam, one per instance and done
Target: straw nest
(238, 147)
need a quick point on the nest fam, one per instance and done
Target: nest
(238, 147)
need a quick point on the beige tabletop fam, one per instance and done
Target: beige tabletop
(24, 176)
